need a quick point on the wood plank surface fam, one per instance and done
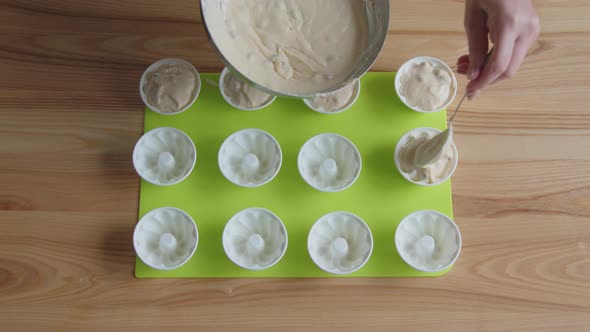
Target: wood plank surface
(70, 115)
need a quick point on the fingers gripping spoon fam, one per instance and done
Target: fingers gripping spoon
(430, 151)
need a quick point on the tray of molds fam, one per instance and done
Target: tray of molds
(238, 183)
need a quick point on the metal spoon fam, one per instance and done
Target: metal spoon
(430, 151)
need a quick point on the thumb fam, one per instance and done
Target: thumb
(477, 38)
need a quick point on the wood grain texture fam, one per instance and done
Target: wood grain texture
(70, 115)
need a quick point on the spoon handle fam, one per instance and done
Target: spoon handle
(456, 109)
(485, 62)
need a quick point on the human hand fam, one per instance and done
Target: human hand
(512, 25)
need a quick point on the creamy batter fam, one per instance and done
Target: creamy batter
(427, 86)
(170, 88)
(335, 101)
(290, 46)
(431, 150)
(242, 94)
(435, 172)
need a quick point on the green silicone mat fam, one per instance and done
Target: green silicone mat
(380, 196)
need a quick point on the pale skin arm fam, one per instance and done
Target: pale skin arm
(511, 25)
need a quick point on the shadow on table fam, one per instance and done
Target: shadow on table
(117, 163)
(116, 250)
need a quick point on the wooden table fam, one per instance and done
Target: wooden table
(70, 115)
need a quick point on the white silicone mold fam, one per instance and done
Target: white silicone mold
(255, 239)
(428, 241)
(164, 156)
(224, 73)
(356, 93)
(340, 243)
(418, 175)
(169, 61)
(165, 238)
(417, 60)
(329, 162)
(250, 158)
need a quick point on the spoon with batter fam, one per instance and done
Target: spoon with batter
(430, 151)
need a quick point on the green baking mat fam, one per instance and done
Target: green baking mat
(380, 196)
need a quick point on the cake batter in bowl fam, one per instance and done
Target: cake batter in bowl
(297, 48)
